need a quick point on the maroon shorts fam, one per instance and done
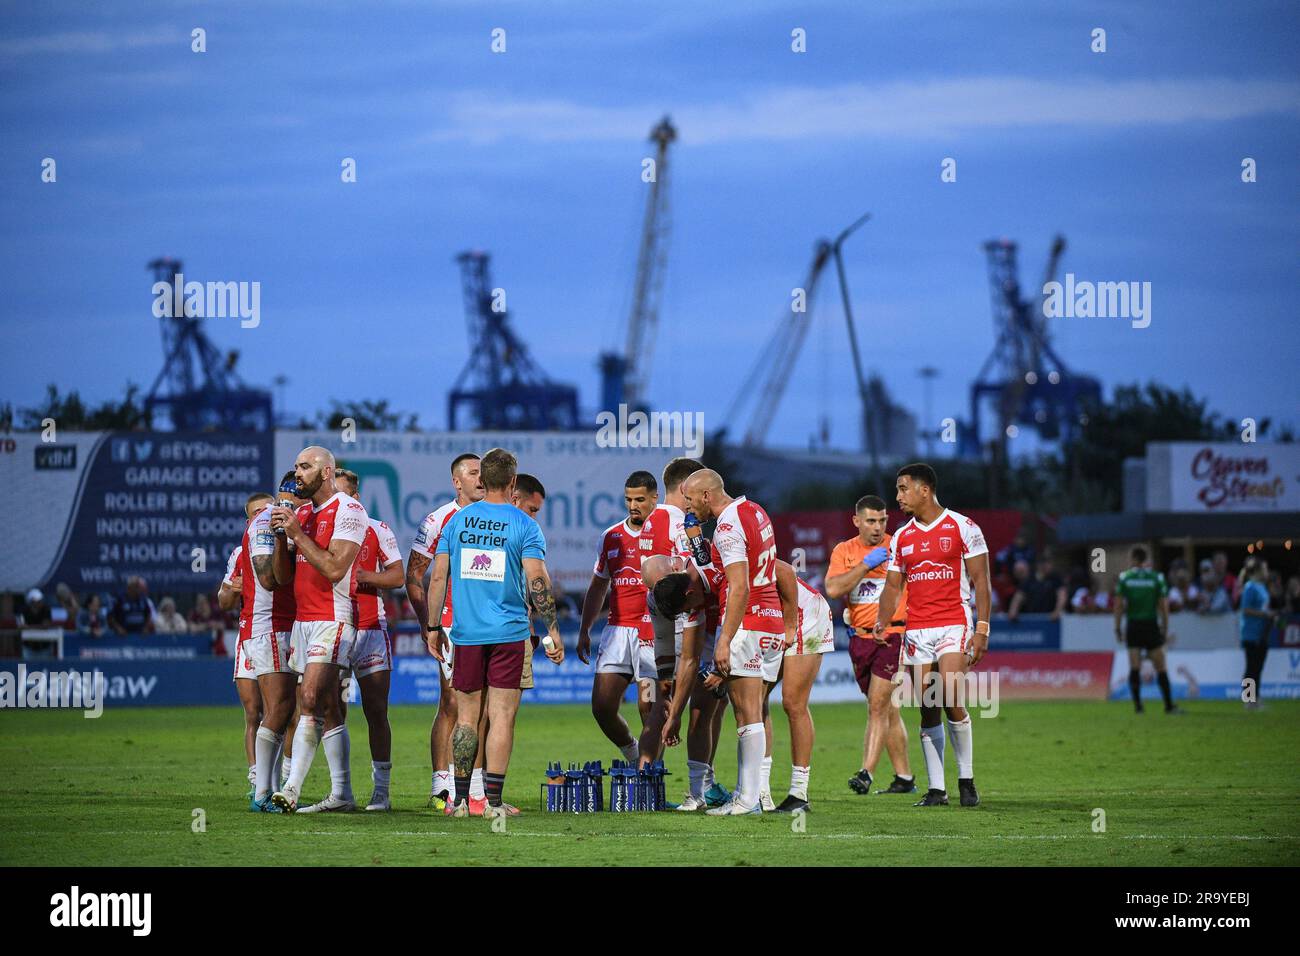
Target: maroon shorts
(475, 666)
(869, 658)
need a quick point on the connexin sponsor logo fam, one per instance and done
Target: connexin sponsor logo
(937, 572)
(74, 909)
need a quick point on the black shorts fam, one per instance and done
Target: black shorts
(1144, 635)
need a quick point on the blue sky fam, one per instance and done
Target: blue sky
(230, 160)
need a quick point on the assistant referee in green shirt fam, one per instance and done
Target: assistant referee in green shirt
(1143, 597)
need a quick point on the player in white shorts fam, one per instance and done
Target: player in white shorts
(620, 659)
(465, 478)
(245, 679)
(327, 535)
(813, 637)
(379, 565)
(677, 589)
(755, 623)
(942, 557)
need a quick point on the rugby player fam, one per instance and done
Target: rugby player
(268, 647)
(465, 479)
(664, 532)
(941, 557)
(228, 598)
(693, 589)
(857, 573)
(626, 651)
(487, 550)
(379, 565)
(686, 596)
(814, 636)
(750, 646)
(326, 536)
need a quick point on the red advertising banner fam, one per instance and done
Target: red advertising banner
(1028, 675)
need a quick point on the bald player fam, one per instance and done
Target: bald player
(754, 624)
(694, 601)
(318, 552)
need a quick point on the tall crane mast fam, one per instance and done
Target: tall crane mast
(625, 377)
(501, 387)
(771, 371)
(197, 387)
(1024, 378)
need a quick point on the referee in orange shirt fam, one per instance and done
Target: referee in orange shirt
(857, 573)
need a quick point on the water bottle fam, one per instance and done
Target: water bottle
(699, 544)
(287, 487)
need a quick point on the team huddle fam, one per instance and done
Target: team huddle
(693, 622)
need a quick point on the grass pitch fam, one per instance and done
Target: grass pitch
(1215, 787)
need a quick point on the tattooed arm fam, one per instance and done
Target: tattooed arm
(264, 569)
(417, 567)
(542, 602)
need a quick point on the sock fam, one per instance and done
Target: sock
(381, 773)
(462, 788)
(1135, 685)
(286, 770)
(493, 784)
(338, 752)
(305, 742)
(476, 790)
(932, 749)
(631, 752)
(765, 776)
(697, 770)
(442, 782)
(252, 767)
(749, 755)
(708, 782)
(963, 748)
(903, 776)
(276, 763)
(265, 746)
(799, 782)
(1165, 690)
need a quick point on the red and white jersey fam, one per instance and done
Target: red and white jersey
(378, 551)
(745, 533)
(235, 573)
(343, 518)
(808, 598)
(932, 560)
(619, 561)
(232, 563)
(426, 543)
(263, 611)
(664, 532)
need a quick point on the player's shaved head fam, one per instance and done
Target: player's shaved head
(705, 496)
(319, 455)
(313, 468)
(653, 568)
(706, 479)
